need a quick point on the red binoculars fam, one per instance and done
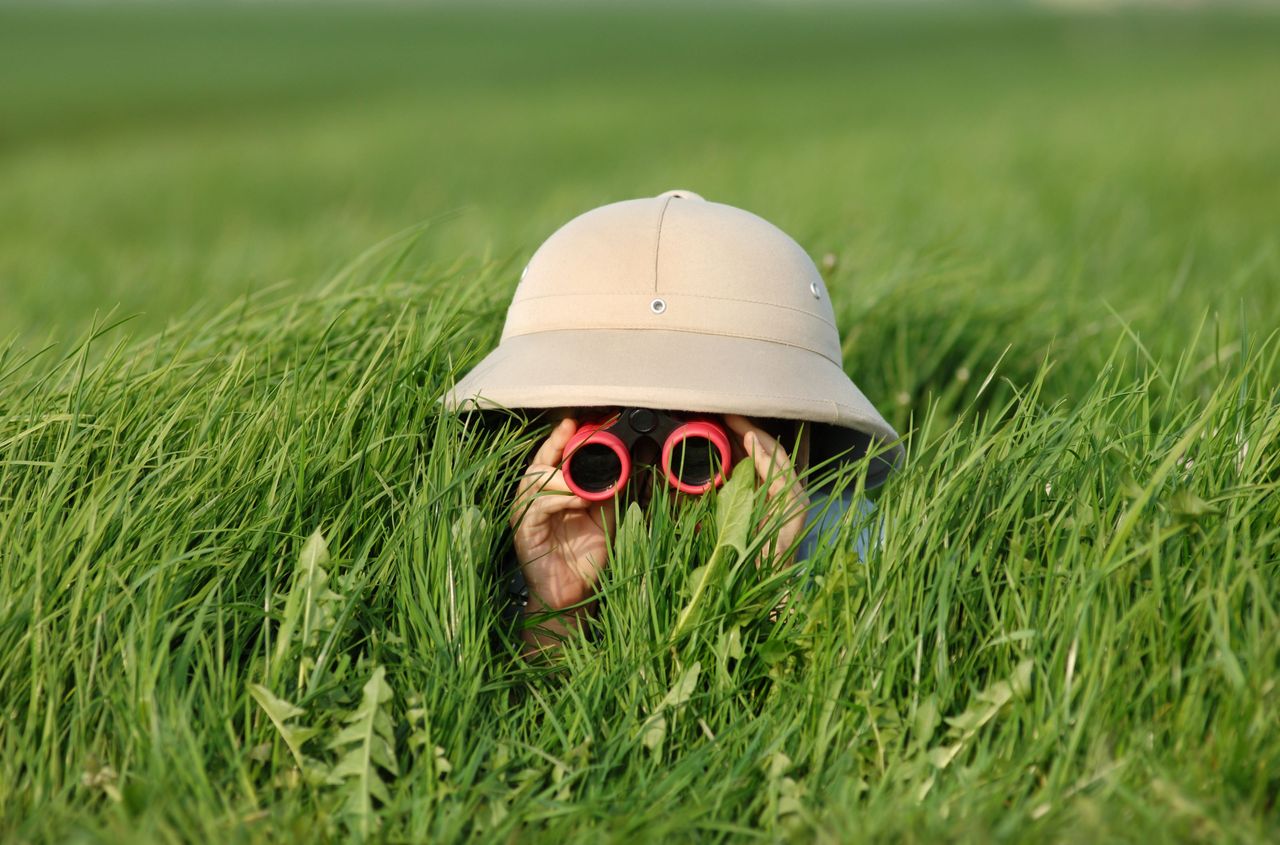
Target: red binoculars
(693, 453)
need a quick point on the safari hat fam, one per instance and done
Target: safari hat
(678, 303)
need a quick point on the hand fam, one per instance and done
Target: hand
(561, 540)
(786, 493)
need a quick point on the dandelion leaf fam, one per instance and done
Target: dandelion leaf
(1188, 506)
(733, 523)
(654, 730)
(468, 527)
(733, 508)
(683, 688)
(367, 743)
(310, 608)
(986, 705)
(281, 712)
(927, 720)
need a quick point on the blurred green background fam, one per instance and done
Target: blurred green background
(1082, 202)
(159, 157)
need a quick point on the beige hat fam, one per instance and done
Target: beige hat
(678, 303)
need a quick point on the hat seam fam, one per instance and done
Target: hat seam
(821, 355)
(657, 242)
(818, 317)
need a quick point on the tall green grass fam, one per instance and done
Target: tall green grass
(251, 580)
(250, 572)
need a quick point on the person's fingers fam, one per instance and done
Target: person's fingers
(789, 504)
(538, 510)
(543, 491)
(552, 449)
(543, 475)
(770, 459)
(539, 477)
(772, 463)
(776, 472)
(773, 466)
(740, 424)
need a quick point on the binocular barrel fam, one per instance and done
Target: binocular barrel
(694, 454)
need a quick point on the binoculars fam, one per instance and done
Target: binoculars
(692, 451)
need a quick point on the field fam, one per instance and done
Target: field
(249, 569)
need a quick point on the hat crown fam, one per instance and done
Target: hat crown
(676, 263)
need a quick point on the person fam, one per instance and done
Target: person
(690, 307)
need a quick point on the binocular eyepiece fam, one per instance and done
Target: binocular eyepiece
(693, 452)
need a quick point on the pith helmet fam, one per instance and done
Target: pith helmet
(678, 303)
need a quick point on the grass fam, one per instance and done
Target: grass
(247, 567)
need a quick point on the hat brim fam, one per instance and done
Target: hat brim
(681, 371)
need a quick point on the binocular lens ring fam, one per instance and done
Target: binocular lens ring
(719, 450)
(597, 464)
